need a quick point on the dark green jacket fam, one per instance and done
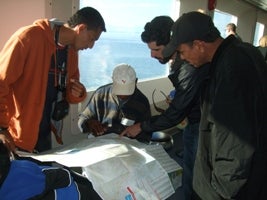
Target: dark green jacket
(233, 105)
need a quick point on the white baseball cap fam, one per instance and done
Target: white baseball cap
(124, 80)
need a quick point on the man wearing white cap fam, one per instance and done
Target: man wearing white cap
(115, 103)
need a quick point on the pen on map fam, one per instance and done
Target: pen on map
(131, 192)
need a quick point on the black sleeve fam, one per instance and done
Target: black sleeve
(57, 178)
(62, 177)
(185, 102)
(85, 187)
(137, 107)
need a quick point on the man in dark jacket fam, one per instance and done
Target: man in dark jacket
(186, 79)
(231, 157)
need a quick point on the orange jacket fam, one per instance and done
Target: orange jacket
(24, 64)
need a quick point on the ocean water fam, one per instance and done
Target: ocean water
(96, 64)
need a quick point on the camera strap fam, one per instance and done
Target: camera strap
(56, 91)
(61, 63)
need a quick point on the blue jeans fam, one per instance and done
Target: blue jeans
(190, 140)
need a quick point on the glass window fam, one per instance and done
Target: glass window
(258, 33)
(125, 20)
(221, 19)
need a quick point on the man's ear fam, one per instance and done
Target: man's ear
(81, 27)
(199, 44)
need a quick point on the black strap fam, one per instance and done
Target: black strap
(160, 110)
(61, 61)
(57, 33)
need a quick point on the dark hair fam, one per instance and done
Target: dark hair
(158, 30)
(232, 26)
(4, 162)
(89, 16)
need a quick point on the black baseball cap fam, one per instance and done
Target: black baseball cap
(189, 27)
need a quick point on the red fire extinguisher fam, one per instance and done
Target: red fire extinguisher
(211, 4)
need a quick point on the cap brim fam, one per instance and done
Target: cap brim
(120, 89)
(169, 50)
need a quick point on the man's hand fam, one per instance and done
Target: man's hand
(96, 127)
(132, 131)
(7, 141)
(77, 89)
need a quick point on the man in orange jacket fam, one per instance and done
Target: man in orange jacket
(39, 76)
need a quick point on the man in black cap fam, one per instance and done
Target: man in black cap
(186, 79)
(232, 139)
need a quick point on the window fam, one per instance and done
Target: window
(258, 33)
(125, 21)
(221, 19)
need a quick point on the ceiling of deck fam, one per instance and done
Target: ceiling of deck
(262, 4)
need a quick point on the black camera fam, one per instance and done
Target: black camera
(61, 110)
